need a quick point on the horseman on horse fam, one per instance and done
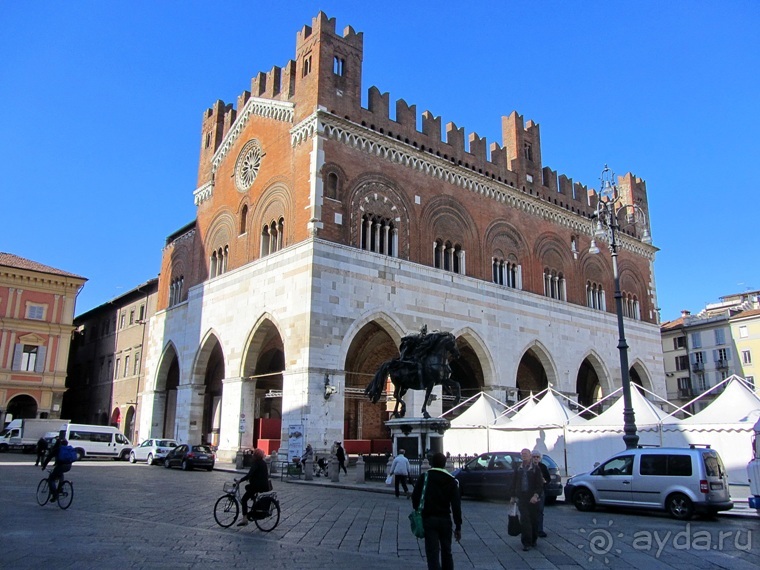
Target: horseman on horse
(421, 365)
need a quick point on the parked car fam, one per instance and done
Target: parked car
(152, 450)
(678, 480)
(190, 456)
(490, 474)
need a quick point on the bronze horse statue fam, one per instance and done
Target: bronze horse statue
(422, 364)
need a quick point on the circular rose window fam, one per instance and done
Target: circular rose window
(248, 164)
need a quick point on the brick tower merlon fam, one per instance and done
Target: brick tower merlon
(313, 80)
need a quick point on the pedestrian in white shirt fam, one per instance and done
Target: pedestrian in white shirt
(400, 471)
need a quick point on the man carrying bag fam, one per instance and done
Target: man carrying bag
(441, 500)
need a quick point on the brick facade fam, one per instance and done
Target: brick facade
(281, 279)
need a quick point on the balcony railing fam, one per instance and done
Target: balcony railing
(721, 363)
(698, 366)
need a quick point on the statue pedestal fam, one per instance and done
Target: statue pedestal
(417, 436)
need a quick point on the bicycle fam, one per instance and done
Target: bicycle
(65, 492)
(265, 511)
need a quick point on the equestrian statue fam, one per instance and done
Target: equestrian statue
(423, 363)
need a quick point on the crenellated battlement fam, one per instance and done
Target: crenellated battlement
(326, 72)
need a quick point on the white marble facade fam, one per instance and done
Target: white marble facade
(318, 295)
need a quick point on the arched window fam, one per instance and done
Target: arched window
(554, 284)
(272, 237)
(379, 234)
(449, 256)
(243, 219)
(631, 307)
(595, 298)
(331, 186)
(506, 273)
(213, 265)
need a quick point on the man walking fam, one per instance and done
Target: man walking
(400, 472)
(440, 502)
(536, 456)
(528, 485)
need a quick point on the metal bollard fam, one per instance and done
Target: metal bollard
(334, 469)
(360, 475)
(308, 469)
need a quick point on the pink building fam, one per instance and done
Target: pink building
(36, 315)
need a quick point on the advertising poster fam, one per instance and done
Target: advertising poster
(295, 441)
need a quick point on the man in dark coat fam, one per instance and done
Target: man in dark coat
(258, 476)
(536, 456)
(340, 454)
(527, 487)
(41, 450)
(442, 500)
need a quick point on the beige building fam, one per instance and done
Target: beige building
(105, 375)
(702, 350)
(745, 331)
(36, 311)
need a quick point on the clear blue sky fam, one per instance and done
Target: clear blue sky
(102, 104)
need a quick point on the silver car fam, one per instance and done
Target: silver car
(152, 450)
(681, 481)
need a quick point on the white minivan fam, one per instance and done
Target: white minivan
(97, 441)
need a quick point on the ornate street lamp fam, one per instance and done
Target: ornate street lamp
(606, 226)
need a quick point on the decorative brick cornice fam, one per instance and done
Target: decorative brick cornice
(267, 108)
(304, 130)
(371, 142)
(180, 239)
(203, 193)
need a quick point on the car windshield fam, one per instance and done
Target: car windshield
(166, 443)
(202, 448)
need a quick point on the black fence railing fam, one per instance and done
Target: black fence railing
(375, 466)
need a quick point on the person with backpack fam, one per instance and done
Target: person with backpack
(64, 456)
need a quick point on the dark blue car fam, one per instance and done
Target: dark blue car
(489, 475)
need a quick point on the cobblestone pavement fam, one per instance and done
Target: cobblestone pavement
(138, 516)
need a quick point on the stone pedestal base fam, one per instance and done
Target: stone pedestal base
(418, 437)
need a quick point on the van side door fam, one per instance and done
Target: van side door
(613, 480)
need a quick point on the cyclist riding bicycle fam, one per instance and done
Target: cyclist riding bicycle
(62, 465)
(258, 476)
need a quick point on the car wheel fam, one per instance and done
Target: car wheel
(132, 458)
(80, 454)
(680, 506)
(583, 500)
(185, 465)
(166, 463)
(149, 461)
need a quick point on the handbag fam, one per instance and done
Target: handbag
(415, 517)
(389, 480)
(513, 520)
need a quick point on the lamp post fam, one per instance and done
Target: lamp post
(607, 226)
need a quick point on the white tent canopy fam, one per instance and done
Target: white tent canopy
(549, 412)
(647, 414)
(734, 405)
(726, 425)
(482, 412)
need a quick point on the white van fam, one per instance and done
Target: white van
(97, 441)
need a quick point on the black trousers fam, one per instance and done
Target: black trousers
(528, 519)
(438, 531)
(247, 496)
(57, 475)
(400, 480)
